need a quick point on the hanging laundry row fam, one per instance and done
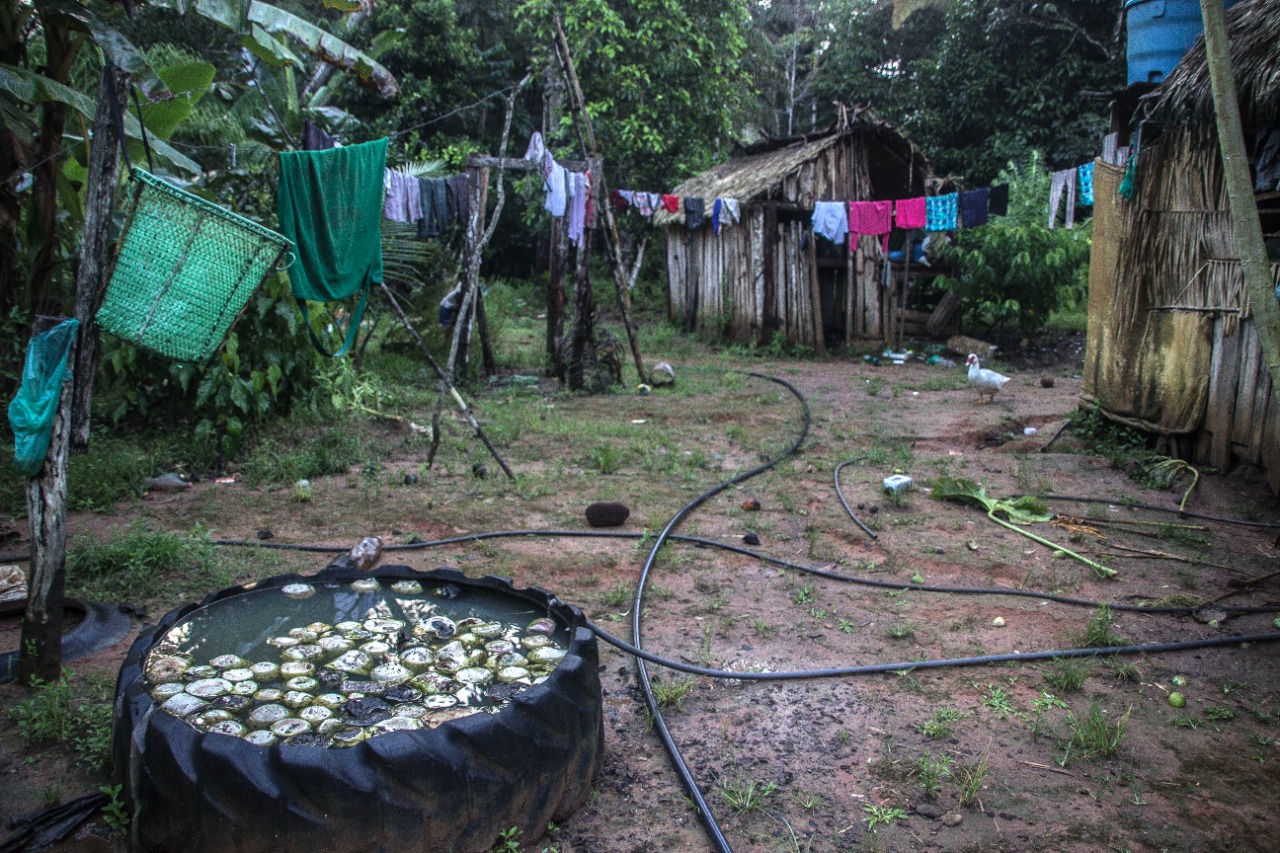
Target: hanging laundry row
(723, 212)
(568, 193)
(835, 220)
(435, 204)
(1065, 183)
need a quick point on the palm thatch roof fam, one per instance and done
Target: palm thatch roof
(758, 173)
(1253, 30)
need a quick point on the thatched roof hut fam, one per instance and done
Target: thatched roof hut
(768, 274)
(1172, 346)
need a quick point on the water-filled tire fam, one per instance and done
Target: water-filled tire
(450, 788)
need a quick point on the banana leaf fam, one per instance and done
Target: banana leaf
(1026, 509)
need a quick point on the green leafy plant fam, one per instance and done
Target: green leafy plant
(671, 694)
(878, 816)
(746, 795)
(939, 723)
(932, 770)
(1097, 733)
(1098, 634)
(1068, 674)
(999, 700)
(73, 711)
(969, 777)
(137, 563)
(114, 812)
(1041, 705)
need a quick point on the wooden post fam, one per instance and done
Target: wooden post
(769, 316)
(852, 252)
(471, 277)
(587, 138)
(1245, 223)
(40, 651)
(583, 334)
(555, 295)
(91, 277)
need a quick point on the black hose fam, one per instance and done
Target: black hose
(655, 713)
(866, 669)
(845, 503)
(1240, 522)
(764, 558)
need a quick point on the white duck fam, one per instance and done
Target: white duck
(988, 382)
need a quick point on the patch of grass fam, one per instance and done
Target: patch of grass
(803, 595)
(939, 724)
(878, 816)
(932, 770)
(138, 563)
(1068, 674)
(746, 795)
(1124, 671)
(616, 596)
(1219, 713)
(901, 630)
(1098, 634)
(73, 711)
(671, 694)
(1098, 733)
(999, 700)
(297, 456)
(969, 777)
(1182, 535)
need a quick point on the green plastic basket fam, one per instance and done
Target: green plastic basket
(185, 269)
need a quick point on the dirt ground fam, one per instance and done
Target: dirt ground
(842, 764)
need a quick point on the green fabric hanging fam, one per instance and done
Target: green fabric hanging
(33, 411)
(330, 205)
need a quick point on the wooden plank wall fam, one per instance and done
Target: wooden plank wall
(719, 284)
(1241, 420)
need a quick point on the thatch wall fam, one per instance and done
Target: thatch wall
(1172, 344)
(767, 274)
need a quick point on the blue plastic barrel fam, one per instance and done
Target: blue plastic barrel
(1160, 32)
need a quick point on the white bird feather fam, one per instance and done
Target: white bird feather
(987, 382)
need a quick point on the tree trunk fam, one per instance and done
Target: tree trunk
(555, 295)
(40, 652)
(91, 278)
(583, 334)
(1244, 208)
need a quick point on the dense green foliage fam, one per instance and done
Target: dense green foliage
(1014, 271)
(671, 86)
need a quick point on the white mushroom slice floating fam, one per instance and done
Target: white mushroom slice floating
(289, 727)
(235, 728)
(536, 641)
(315, 714)
(294, 668)
(417, 658)
(547, 655)
(354, 661)
(397, 724)
(302, 684)
(167, 668)
(228, 662)
(331, 700)
(366, 585)
(383, 626)
(168, 690)
(513, 673)
(375, 648)
(284, 642)
(441, 701)
(245, 688)
(390, 673)
(265, 670)
(269, 694)
(209, 688)
(265, 716)
(474, 675)
(182, 704)
(298, 590)
(334, 644)
(242, 673)
(413, 710)
(346, 626)
(211, 717)
(261, 737)
(407, 587)
(297, 699)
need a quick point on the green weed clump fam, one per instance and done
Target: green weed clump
(141, 564)
(72, 711)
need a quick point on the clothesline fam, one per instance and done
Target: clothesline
(1065, 182)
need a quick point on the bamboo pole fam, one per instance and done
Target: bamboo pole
(1244, 209)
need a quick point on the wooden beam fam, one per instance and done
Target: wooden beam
(91, 277)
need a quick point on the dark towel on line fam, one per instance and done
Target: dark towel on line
(330, 206)
(458, 196)
(435, 208)
(998, 200)
(694, 213)
(973, 207)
